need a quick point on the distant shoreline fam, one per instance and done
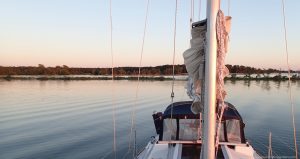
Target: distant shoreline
(146, 77)
(163, 70)
(88, 77)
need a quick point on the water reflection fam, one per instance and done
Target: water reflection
(247, 83)
(277, 84)
(233, 81)
(72, 119)
(266, 85)
(293, 82)
(43, 84)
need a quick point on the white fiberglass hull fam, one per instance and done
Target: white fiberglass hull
(175, 150)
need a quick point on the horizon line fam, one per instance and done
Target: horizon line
(263, 68)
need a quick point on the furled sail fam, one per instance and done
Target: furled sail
(194, 60)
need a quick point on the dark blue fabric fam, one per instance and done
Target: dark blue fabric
(183, 110)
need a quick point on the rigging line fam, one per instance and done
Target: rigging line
(112, 77)
(174, 51)
(270, 146)
(199, 14)
(191, 16)
(192, 12)
(286, 144)
(193, 9)
(256, 144)
(138, 80)
(289, 77)
(219, 120)
(173, 70)
(259, 143)
(111, 39)
(228, 8)
(191, 22)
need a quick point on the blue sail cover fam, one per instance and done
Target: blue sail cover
(182, 110)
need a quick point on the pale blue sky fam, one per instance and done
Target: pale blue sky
(76, 32)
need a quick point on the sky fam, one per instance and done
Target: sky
(77, 32)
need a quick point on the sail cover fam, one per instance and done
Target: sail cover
(194, 60)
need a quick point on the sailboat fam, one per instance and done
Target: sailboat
(179, 130)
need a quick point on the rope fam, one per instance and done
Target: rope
(112, 77)
(259, 143)
(174, 51)
(270, 147)
(221, 52)
(192, 13)
(191, 20)
(199, 15)
(289, 77)
(138, 82)
(223, 106)
(111, 39)
(200, 127)
(228, 8)
(286, 144)
(173, 70)
(193, 9)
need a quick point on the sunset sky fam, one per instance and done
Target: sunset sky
(77, 32)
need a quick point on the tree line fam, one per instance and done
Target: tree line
(157, 70)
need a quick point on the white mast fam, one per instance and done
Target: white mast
(210, 82)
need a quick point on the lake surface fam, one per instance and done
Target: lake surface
(73, 119)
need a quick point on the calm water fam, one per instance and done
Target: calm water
(73, 119)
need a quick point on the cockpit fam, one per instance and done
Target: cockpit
(178, 122)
